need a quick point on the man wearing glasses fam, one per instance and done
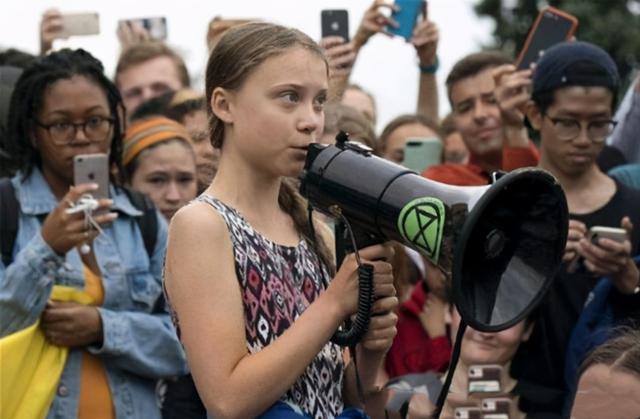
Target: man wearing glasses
(574, 91)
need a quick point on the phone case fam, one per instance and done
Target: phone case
(496, 405)
(92, 168)
(467, 413)
(406, 17)
(78, 24)
(421, 153)
(611, 233)
(155, 26)
(551, 27)
(335, 23)
(485, 378)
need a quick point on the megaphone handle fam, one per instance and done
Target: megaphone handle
(455, 356)
(360, 323)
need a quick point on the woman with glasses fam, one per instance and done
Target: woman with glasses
(123, 342)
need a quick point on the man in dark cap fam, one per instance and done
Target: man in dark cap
(574, 93)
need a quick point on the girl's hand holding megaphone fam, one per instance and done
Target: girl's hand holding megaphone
(344, 287)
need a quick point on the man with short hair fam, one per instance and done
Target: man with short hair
(147, 70)
(574, 94)
(486, 94)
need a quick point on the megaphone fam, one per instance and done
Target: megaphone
(500, 244)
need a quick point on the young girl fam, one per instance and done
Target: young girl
(159, 160)
(248, 281)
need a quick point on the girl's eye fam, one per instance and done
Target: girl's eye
(157, 180)
(290, 97)
(320, 101)
(186, 179)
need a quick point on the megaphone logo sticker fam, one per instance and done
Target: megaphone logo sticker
(421, 222)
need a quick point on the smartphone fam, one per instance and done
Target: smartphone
(335, 23)
(92, 168)
(616, 234)
(80, 24)
(467, 413)
(422, 153)
(551, 27)
(485, 379)
(155, 26)
(496, 408)
(407, 17)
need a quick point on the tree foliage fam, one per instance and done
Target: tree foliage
(614, 25)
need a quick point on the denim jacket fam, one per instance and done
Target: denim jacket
(139, 342)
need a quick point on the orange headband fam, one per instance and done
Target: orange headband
(145, 133)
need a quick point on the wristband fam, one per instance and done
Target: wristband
(430, 69)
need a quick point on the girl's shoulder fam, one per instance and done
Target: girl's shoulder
(197, 222)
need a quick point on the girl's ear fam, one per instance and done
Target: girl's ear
(527, 331)
(221, 100)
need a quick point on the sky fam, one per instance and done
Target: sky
(387, 67)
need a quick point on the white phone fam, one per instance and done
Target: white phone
(80, 24)
(612, 233)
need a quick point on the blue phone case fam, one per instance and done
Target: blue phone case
(407, 17)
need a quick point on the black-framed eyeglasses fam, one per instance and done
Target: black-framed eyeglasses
(95, 128)
(567, 129)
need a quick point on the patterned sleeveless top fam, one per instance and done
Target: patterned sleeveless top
(278, 283)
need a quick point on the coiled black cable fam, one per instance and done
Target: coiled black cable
(360, 324)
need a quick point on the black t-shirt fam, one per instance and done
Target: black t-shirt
(540, 362)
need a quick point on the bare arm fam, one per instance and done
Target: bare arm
(204, 292)
(425, 40)
(341, 56)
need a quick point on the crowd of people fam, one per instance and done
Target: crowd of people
(205, 291)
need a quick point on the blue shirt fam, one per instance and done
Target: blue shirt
(139, 342)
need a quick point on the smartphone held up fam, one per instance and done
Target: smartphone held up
(92, 168)
(551, 27)
(406, 15)
(80, 24)
(335, 23)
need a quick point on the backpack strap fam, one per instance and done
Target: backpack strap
(148, 221)
(9, 208)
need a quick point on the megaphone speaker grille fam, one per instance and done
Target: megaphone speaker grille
(517, 231)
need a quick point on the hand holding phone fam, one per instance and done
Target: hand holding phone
(551, 27)
(425, 39)
(50, 29)
(131, 31)
(92, 168)
(406, 15)
(599, 232)
(335, 23)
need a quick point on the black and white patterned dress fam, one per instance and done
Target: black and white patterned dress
(278, 283)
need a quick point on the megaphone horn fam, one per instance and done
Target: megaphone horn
(500, 244)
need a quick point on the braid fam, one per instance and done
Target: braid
(28, 94)
(295, 205)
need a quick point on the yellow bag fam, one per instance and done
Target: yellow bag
(30, 367)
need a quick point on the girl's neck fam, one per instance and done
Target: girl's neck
(252, 193)
(58, 184)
